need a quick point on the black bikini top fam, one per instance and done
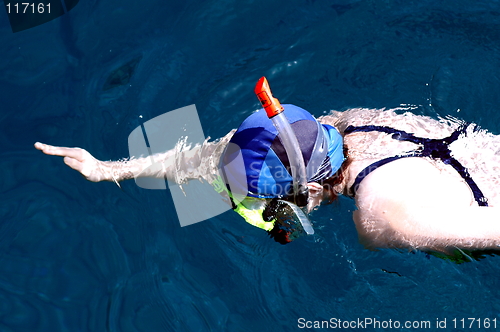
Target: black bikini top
(432, 148)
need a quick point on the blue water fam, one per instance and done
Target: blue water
(80, 256)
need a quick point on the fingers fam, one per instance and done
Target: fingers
(75, 153)
(39, 146)
(73, 163)
(76, 158)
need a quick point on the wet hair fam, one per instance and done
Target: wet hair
(335, 179)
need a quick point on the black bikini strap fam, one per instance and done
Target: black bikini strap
(464, 173)
(433, 148)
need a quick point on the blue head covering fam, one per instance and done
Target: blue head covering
(267, 169)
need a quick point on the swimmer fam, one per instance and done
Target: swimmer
(418, 183)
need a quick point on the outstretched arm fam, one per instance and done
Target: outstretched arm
(198, 162)
(80, 160)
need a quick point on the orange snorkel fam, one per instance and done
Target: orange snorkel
(270, 104)
(274, 112)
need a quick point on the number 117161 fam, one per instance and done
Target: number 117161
(474, 323)
(28, 8)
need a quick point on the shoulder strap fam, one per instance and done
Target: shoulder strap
(433, 148)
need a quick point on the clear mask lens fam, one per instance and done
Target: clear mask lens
(289, 218)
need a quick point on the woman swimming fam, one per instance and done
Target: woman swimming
(418, 183)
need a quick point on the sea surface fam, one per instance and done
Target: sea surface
(81, 256)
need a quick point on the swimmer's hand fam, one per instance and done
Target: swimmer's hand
(80, 160)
